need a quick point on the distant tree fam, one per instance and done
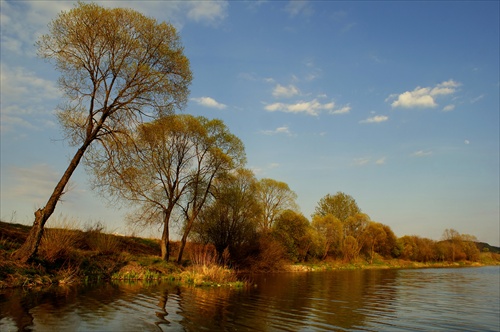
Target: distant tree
(418, 249)
(340, 205)
(292, 230)
(374, 235)
(355, 225)
(470, 248)
(275, 197)
(454, 240)
(230, 221)
(456, 246)
(117, 67)
(350, 248)
(330, 231)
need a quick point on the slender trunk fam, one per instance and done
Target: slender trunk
(165, 241)
(327, 247)
(184, 240)
(372, 252)
(30, 247)
(187, 230)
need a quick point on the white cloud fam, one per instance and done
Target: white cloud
(281, 91)
(467, 142)
(21, 85)
(448, 108)
(280, 130)
(380, 161)
(375, 119)
(421, 153)
(209, 102)
(210, 12)
(343, 110)
(313, 107)
(423, 97)
(26, 98)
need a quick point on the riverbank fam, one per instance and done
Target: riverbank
(486, 259)
(68, 256)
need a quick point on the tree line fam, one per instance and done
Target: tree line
(123, 76)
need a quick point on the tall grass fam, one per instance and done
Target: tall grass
(204, 269)
(58, 241)
(97, 240)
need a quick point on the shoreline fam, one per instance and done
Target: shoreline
(78, 257)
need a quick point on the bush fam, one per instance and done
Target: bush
(270, 257)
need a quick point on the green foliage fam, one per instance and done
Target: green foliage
(340, 205)
(230, 221)
(292, 230)
(330, 232)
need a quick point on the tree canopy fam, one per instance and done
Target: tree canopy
(340, 205)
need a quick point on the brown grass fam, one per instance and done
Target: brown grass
(58, 241)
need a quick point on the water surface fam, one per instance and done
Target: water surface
(460, 299)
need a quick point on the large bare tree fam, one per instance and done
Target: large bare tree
(117, 67)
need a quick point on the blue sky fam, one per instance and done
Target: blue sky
(393, 103)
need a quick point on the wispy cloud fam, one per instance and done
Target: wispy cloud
(423, 97)
(280, 130)
(375, 119)
(361, 161)
(260, 171)
(478, 98)
(448, 108)
(209, 102)
(343, 110)
(35, 182)
(368, 161)
(296, 7)
(281, 91)
(210, 12)
(313, 107)
(19, 84)
(421, 153)
(25, 98)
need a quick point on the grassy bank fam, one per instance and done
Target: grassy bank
(74, 256)
(329, 265)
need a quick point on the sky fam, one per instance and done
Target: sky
(393, 103)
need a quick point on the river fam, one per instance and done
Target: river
(457, 299)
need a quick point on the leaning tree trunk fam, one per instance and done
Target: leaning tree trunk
(187, 230)
(30, 247)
